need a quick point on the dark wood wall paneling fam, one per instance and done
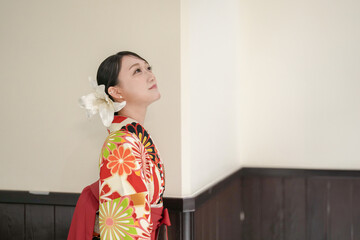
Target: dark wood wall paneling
(33, 221)
(301, 204)
(219, 216)
(251, 204)
(213, 214)
(12, 221)
(31, 216)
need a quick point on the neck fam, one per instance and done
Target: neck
(137, 113)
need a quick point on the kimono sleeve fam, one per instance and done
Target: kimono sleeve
(124, 211)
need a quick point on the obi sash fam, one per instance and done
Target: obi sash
(159, 217)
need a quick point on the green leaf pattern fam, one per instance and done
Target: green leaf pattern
(110, 143)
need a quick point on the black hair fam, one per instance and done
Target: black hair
(109, 69)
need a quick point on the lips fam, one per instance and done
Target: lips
(153, 86)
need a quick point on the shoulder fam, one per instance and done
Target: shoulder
(119, 136)
(119, 139)
(137, 129)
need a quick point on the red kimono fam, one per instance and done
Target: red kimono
(131, 182)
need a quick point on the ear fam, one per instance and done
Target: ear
(115, 93)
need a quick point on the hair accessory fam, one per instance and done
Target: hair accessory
(99, 101)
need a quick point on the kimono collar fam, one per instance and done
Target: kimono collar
(119, 122)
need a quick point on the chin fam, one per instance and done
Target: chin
(157, 96)
(154, 98)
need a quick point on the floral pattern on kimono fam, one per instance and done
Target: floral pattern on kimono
(131, 181)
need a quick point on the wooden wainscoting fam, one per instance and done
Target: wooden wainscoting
(290, 204)
(212, 214)
(31, 216)
(251, 204)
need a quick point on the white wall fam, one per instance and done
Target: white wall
(244, 83)
(300, 84)
(209, 79)
(48, 50)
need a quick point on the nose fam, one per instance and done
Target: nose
(151, 76)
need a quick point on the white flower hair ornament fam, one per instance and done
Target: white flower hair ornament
(99, 102)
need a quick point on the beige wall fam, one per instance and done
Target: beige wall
(48, 50)
(209, 79)
(300, 88)
(244, 83)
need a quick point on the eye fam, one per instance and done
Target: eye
(149, 68)
(137, 70)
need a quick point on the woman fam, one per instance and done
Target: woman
(131, 172)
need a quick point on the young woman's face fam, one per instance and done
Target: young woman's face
(137, 83)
